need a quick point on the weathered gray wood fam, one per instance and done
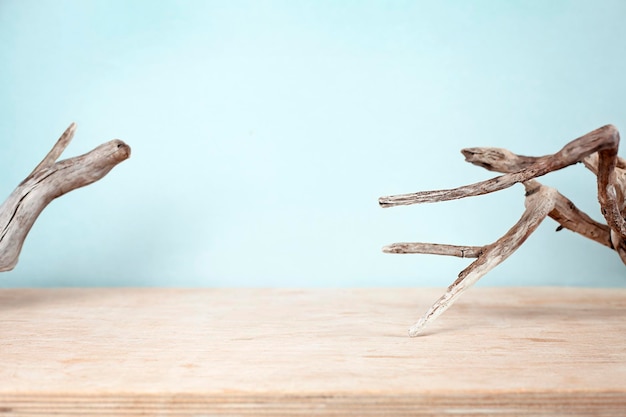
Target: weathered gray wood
(435, 249)
(597, 150)
(48, 181)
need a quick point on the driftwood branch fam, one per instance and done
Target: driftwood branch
(49, 180)
(538, 205)
(597, 150)
(435, 249)
(604, 141)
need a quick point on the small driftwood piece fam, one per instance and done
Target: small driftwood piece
(597, 150)
(49, 180)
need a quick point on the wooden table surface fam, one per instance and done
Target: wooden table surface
(230, 352)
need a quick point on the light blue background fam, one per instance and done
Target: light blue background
(263, 133)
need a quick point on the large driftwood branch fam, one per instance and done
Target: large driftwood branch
(49, 180)
(597, 150)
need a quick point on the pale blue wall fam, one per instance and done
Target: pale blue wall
(263, 133)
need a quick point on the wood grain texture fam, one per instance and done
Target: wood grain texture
(194, 352)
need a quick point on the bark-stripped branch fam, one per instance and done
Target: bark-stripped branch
(49, 180)
(435, 249)
(597, 150)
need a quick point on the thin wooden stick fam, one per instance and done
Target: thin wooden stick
(603, 140)
(48, 181)
(435, 249)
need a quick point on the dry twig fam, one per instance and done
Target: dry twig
(49, 180)
(597, 150)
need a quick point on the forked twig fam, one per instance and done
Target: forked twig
(49, 180)
(597, 150)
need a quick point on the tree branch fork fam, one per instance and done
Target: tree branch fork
(51, 179)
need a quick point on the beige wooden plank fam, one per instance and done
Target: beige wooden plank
(501, 351)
